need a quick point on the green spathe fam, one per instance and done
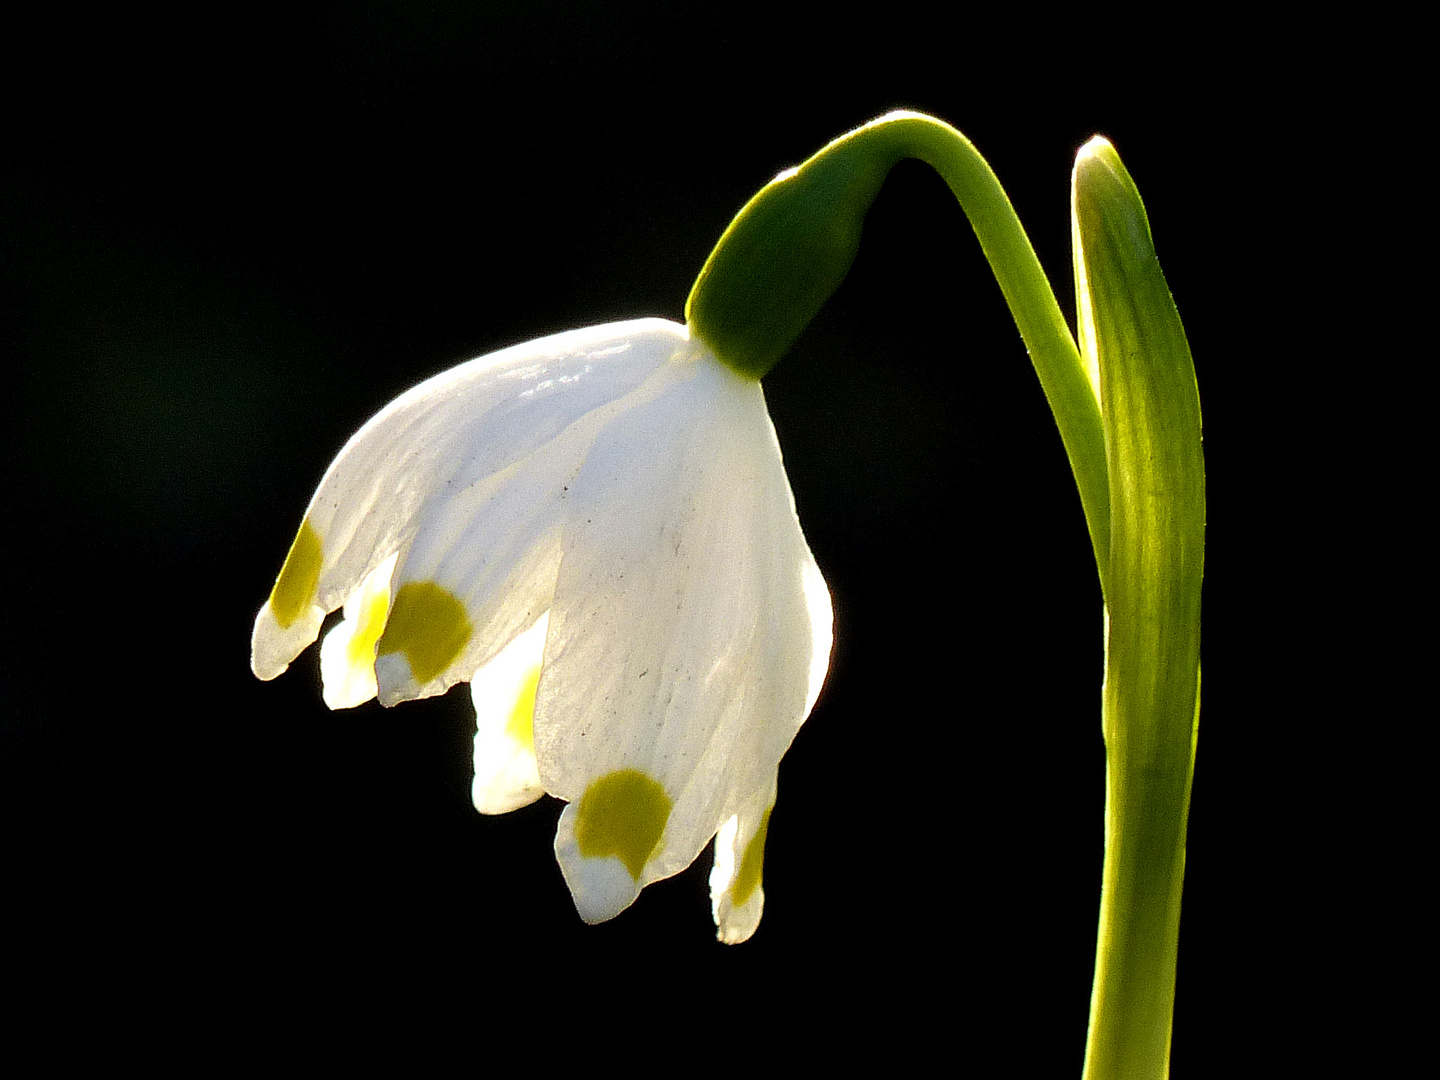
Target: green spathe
(786, 252)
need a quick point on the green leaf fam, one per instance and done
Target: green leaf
(1132, 338)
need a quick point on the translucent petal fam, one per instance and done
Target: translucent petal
(689, 635)
(462, 430)
(347, 655)
(493, 551)
(601, 884)
(506, 776)
(737, 898)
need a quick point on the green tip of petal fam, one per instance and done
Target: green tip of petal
(747, 879)
(622, 813)
(429, 625)
(521, 724)
(298, 577)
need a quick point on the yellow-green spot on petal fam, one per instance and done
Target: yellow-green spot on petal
(429, 625)
(295, 586)
(622, 813)
(521, 725)
(369, 624)
(748, 879)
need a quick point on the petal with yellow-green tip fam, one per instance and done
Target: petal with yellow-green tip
(607, 837)
(506, 776)
(471, 430)
(737, 898)
(690, 629)
(291, 617)
(347, 655)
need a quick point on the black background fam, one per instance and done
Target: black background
(230, 238)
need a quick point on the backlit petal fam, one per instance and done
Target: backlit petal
(457, 435)
(506, 776)
(737, 897)
(688, 638)
(347, 655)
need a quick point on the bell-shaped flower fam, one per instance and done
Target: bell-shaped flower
(596, 531)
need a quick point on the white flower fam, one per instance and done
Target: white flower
(599, 523)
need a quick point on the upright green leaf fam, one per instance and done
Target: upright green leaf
(1130, 333)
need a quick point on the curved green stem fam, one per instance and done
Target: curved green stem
(788, 249)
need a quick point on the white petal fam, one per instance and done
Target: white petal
(467, 428)
(602, 885)
(347, 655)
(506, 776)
(689, 634)
(737, 898)
(487, 556)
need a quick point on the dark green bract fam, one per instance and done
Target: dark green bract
(784, 254)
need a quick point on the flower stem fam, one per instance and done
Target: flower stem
(1070, 389)
(790, 246)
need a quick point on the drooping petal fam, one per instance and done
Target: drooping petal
(458, 435)
(506, 776)
(688, 639)
(347, 655)
(480, 570)
(737, 898)
(484, 561)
